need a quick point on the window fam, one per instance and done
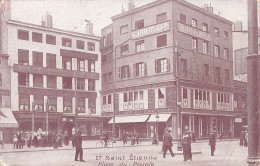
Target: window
(37, 80)
(243, 103)
(161, 17)
(205, 47)
(161, 97)
(81, 65)
(24, 102)
(185, 97)
(139, 69)
(225, 34)
(80, 44)
(161, 41)
(51, 81)
(38, 103)
(184, 65)
(81, 105)
(183, 18)
(67, 105)
(227, 76)
(162, 65)
(194, 23)
(123, 29)
(0, 79)
(22, 34)
(23, 79)
(124, 50)
(139, 24)
(52, 104)
(124, 72)
(216, 31)
(107, 78)
(37, 58)
(109, 99)
(216, 53)
(104, 100)
(205, 27)
(206, 70)
(66, 42)
(80, 84)
(91, 46)
(66, 63)
(217, 75)
(91, 85)
(194, 44)
(23, 57)
(51, 60)
(37, 37)
(226, 54)
(50, 39)
(67, 82)
(223, 101)
(139, 46)
(91, 66)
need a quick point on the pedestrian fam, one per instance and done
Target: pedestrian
(2, 139)
(212, 143)
(19, 140)
(167, 143)
(246, 139)
(29, 142)
(242, 137)
(66, 138)
(155, 139)
(137, 138)
(15, 140)
(124, 137)
(78, 145)
(193, 136)
(220, 136)
(35, 140)
(187, 147)
(105, 138)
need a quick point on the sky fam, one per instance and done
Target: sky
(70, 14)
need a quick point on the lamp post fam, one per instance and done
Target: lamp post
(157, 131)
(177, 53)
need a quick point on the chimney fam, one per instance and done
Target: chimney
(238, 26)
(208, 8)
(43, 22)
(48, 20)
(123, 9)
(89, 28)
(131, 5)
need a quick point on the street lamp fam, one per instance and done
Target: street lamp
(157, 131)
(179, 145)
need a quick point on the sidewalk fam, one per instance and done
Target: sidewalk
(90, 144)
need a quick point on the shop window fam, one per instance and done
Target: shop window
(23, 57)
(80, 44)
(124, 72)
(161, 41)
(50, 39)
(38, 103)
(124, 50)
(66, 63)
(67, 82)
(162, 65)
(36, 37)
(67, 105)
(161, 18)
(51, 81)
(37, 58)
(23, 79)
(81, 65)
(80, 83)
(139, 46)
(123, 29)
(91, 46)
(51, 60)
(22, 34)
(91, 85)
(139, 24)
(24, 102)
(183, 18)
(91, 66)
(37, 80)
(66, 42)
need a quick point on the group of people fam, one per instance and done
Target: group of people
(243, 138)
(134, 137)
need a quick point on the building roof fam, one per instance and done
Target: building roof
(158, 2)
(55, 30)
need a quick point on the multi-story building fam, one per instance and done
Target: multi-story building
(54, 76)
(142, 49)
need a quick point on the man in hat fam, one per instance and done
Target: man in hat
(167, 143)
(212, 143)
(78, 145)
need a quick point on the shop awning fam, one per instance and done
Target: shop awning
(130, 119)
(162, 118)
(8, 120)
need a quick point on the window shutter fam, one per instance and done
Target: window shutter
(134, 70)
(145, 69)
(168, 64)
(119, 72)
(156, 66)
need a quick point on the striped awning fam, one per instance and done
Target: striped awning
(8, 120)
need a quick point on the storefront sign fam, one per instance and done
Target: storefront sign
(151, 30)
(4, 92)
(193, 32)
(238, 120)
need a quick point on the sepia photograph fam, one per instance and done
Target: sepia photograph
(129, 83)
